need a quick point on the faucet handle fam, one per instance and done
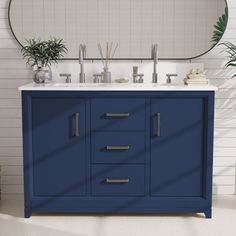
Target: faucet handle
(68, 77)
(168, 80)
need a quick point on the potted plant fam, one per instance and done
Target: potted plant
(41, 55)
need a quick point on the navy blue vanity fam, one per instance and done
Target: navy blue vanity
(118, 151)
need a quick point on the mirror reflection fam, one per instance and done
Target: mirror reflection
(182, 29)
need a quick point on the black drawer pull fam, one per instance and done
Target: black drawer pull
(117, 115)
(117, 148)
(117, 181)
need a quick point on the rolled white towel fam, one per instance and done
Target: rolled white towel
(195, 77)
(196, 81)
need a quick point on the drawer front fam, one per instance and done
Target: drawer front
(118, 114)
(119, 147)
(117, 180)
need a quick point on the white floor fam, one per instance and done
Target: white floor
(223, 223)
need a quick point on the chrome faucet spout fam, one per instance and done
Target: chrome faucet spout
(155, 61)
(82, 55)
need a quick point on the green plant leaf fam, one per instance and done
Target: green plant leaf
(220, 27)
(43, 53)
(230, 49)
(231, 64)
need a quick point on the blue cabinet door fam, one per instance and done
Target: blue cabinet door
(177, 155)
(58, 143)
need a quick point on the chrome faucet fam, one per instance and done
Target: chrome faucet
(82, 55)
(67, 76)
(168, 80)
(155, 61)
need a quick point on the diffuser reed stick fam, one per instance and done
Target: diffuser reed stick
(109, 53)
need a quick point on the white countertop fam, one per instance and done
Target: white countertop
(113, 87)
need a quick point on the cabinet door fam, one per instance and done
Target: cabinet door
(177, 147)
(58, 131)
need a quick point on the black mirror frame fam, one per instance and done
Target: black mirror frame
(120, 59)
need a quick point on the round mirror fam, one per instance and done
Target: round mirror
(183, 29)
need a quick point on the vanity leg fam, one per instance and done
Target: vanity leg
(208, 213)
(27, 213)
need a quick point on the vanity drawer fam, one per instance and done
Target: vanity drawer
(118, 114)
(118, 147)
(117, 180)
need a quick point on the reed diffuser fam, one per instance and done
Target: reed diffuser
(106, 60)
